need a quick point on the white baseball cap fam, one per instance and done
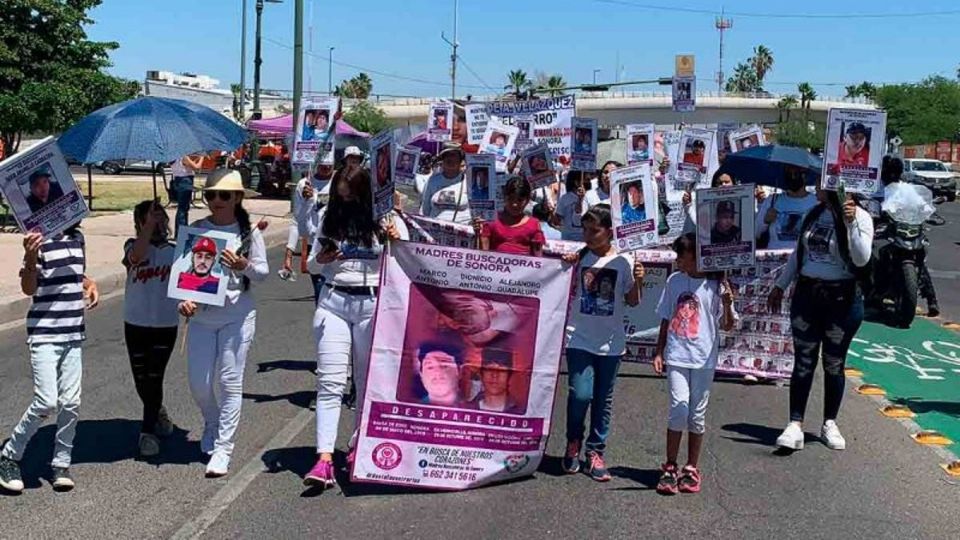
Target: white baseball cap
(352, 151)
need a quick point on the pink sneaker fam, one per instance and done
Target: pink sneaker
(321, 475)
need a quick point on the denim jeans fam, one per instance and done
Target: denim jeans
(824, 315)
(590, 384)
(182, 188)
(57, 371)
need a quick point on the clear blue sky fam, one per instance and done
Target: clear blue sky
(570, 37)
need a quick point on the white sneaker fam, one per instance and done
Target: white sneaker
(219, 465)
(208, 440)
(792, 437)
(831, 436)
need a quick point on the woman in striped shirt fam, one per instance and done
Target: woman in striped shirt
(53, 274)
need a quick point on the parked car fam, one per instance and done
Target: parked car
(932, 174)
(131, 165)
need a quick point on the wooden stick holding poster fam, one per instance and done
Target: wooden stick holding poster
(382, 182)
(725, 222)
(538, 166)
(854, 151)
(41, 191)
(583, 144)
(635, 212)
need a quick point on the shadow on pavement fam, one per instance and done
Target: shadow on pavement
(287, 365)
(551, 465)
(647, 477)
(300, 399)
(920, 405)
(763, 435)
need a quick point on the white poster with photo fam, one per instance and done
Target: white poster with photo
(440, 122)
(684, 94)
(40, 190)
(315, 131)
(724, 129)
(695, 153)
(747, 137)
(499, 182)
(635, 212)
(549, 120)
(583, 143)
(484, 412)
(481, 177)
(524, 124)
(640, 144)
(538, 166)
(198, 273)
(381, 181)
(407, 165)
(725, 228)
(854, 150)
(477, 119)
(498, 141)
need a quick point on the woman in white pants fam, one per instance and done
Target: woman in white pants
(220, 337)
(347, 248)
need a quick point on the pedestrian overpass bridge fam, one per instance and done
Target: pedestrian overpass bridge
(619, 108)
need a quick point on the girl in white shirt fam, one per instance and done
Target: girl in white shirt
(347, 249)
(836, 239)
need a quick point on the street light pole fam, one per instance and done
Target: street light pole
(257, 114)
(453, 56)
(330, 72)
(595, 75)
(243, 62)
(297, 73)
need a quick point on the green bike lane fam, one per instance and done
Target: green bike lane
(918, 368)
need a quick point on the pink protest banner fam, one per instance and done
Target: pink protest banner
(464, 364)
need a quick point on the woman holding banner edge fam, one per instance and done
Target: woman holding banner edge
(347, 248)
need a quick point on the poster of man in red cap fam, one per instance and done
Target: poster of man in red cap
(197, 272)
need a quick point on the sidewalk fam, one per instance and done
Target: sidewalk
(105, 236)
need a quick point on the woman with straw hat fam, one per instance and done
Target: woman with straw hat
(220, 337)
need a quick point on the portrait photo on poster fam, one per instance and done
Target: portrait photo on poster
(694, 153)
(598, 291)
(468, 350)
(632, 203)
(480, 183)
(725, 227)
(197, 273)
(383, 166)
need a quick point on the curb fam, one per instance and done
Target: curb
(13, 309)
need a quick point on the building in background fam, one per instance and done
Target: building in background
(204, 90)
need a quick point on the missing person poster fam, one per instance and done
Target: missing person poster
(584, 144)
(684, 94)
(550, 120)
(477, 119)
(463, 370)
(481, 174)
(381, 163)
(440, 122)
(694, 155)
(724, 129)
(853, 150)
(407, 165)
(524, 125)
(198, 273)
(635, 212)
(498, 141)
(40, 190)
(725, 222)
(640, 144)
(538, 166)
(747, 137)
(314, 131)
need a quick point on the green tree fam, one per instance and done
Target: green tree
(744, 79)
(784, 105)
(365, 116)
(807, 97)
(923, 112)
(553, 86)
(800, 133)
(359, 87)
(518, 83)
(864, 89)
(51, 75)
(237, 92)
(762, 62)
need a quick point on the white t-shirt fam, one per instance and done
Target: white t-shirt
(360, 266)
(595, 324)
(570, 227)
(145, 301)
(596, 196)
(821, 252)
(305, 211)
(785, 231)
(692, 307)
(446, 199)
(177, 168)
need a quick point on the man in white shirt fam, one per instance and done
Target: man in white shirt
(780, 216)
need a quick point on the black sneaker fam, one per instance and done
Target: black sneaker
(571, 460)
(62, 481)
(933, 310)
(10, 479)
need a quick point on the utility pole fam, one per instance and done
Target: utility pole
(722, 25)
(330, 71)
(297, 72)
(243, 62)
(595, 75)
(453, 57)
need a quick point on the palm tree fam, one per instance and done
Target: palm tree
(362, 86)
(744, 79)
(518, 82)
(237, 92)
(853, 90)
(762, 62)
(554, 85)
(784, 105)
(807, 95)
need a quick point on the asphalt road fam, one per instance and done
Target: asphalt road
(944, 260)
(884, 486)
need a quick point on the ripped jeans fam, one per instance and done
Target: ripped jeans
(824, 315)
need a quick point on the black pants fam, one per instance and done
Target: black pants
(824, 315)
(924, 281)
(149, 350)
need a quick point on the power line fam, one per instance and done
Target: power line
(474, 73)
(713, 12)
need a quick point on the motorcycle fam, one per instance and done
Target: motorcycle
(898, 252)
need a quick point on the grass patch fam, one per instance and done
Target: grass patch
(111, 197)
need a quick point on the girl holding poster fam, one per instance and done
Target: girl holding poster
(596, 342)
(693, 308)
(219, 338)
(513, 231)
(347, 248)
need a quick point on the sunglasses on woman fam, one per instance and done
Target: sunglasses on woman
(224, 195)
